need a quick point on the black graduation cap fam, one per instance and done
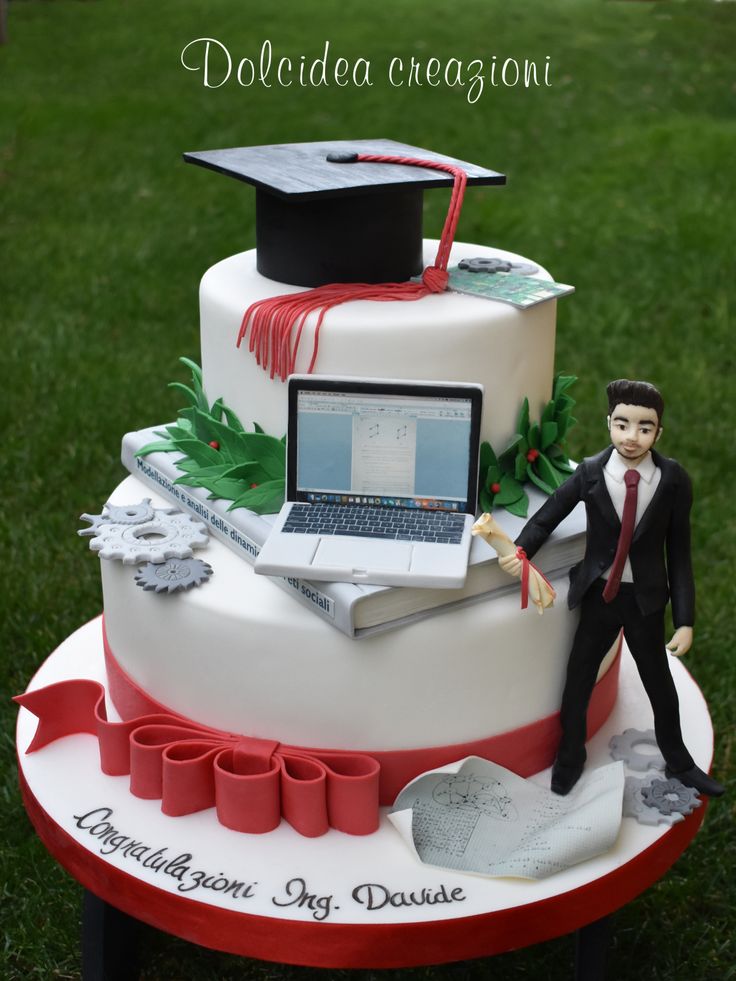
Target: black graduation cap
(320, 220)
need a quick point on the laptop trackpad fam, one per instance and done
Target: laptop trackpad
(362, 556)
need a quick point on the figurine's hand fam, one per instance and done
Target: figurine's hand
(682, 641)
(510, 564)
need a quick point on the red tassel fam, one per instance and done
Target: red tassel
(276, 323)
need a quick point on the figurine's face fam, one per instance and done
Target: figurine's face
(634, 430)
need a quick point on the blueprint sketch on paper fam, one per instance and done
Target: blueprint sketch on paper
(476, 816)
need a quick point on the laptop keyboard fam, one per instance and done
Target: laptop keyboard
(399, 524)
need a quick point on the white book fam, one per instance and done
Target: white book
(357, 610)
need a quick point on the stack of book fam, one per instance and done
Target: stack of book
(357, 610)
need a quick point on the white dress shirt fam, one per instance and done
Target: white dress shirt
(649, 476)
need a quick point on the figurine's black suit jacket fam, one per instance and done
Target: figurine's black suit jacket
(664, 528)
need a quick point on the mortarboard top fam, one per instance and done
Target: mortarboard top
(319, 221)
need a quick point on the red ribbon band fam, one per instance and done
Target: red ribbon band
(252, 783)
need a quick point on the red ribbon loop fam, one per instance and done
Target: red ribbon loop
(251, 782)
(521, 555)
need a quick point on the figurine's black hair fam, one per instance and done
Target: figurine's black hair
(635, 393)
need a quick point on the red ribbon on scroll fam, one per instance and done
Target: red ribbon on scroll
(526, 565)
(252, 783)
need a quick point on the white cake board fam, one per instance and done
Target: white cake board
(287, 898)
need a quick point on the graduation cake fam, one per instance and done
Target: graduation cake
(239, 655)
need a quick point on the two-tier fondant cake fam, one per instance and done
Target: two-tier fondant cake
(239, 654)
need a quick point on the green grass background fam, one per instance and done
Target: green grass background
(620, 182)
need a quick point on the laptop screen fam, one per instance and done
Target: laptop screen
(399, 445)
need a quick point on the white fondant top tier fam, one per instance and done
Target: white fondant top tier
(445, 336)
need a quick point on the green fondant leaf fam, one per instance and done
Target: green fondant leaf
(512, 447)
(511, 491)
(485, 500)
(549, 434)
(188, 466)
(232, 420)
(257, 428)
(541, 484)
(520, 507)
(487, 457)
(562, 383)
(226, 489)
(200, 452)
(535, 437)
(563, 402)
(547, 472)
(493, 476)
(181, 387)
(549, 413)
(521, 465)
(216, 410)
(164, 446)
(267, 450)
(193, 367)
(200, 400)
(267, 498)
(564, 421)
(523, 423)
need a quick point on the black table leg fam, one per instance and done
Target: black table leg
(591, 945)
(109, 942)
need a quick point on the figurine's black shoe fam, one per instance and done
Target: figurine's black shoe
(699, 780)
(564, 778)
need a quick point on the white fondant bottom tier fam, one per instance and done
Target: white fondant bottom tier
(238, 653)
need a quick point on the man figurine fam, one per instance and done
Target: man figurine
(638, 508)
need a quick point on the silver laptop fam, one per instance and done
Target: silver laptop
(381, 480)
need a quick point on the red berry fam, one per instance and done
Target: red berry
(253, 485)
(495, 488)
(214, 444)
(532, 455)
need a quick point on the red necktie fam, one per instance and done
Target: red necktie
(628, 520)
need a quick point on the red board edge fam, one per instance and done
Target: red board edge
(379, 945)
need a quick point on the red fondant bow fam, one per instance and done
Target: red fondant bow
(189, 767)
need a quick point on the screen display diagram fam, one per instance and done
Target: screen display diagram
(391, 450)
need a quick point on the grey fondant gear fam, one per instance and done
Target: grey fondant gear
(485, 264)
(126, 514)
(174, 575)
(670, 796)
(635, 806)
(623, 747)
(523, 268)
(166, 536)
(492, 264)
(129, 514)
(95, 521)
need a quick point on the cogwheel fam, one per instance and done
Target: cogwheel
(174, 575)
(523, 268)
(165, 536)
(95, 521)
(485, 264)
(623, 747)
(129, 514)
(126, 514)
(670, 797)
(636, 807)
